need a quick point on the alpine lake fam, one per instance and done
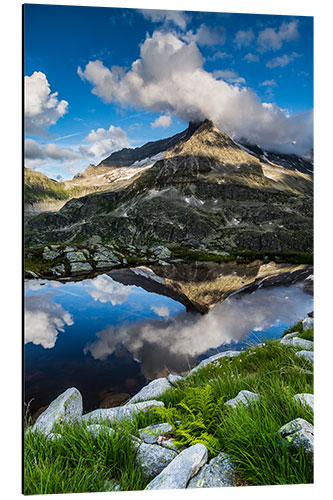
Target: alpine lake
(110, 334)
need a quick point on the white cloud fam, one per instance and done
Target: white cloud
(268, 83)
(170, 342)
(282, 61)
(243, 38)
(251, 58)
(206, 36)
(169, 78)
(35, 151)
(218, 55)
(41, 107)
(103, 142)
(273, 39)
(162, 121)
(44, 319)
(175, 17)
(105, 289)
(229, 76)
(162, 311)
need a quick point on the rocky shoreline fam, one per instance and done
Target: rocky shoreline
(163, 462)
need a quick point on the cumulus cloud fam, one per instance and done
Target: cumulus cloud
(35, 151)
(173, 342)
(162, 121)
(41, 107)
(105, 289)
(162, 311)
(243, 38)
(206, 36)
(175, 17)
(229, 76)
(218, 55)
(282, 61)
(168, 77)
(249, 58)
(273, 39)
(103, 142)
(44, 319)
(268, 83)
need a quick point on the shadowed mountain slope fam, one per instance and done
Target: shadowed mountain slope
(204, 190)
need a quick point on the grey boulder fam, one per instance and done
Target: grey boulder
(119, 413)
(243, 397)
(182, 468)
(173, 379)
(66, 408)
(299, 432)
(79, 267)
(305, 354)
(307, 323)
(167, 443)
(96, 429)
(150, 434)
(216, 474)
(154, 389)
(50, 254)
(213, 358)
(305, 399)
(153, 458)
(296, 342)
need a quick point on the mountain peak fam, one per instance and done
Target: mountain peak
(205, 124)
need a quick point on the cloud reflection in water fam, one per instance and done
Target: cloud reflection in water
(171, 341)
(44, 319)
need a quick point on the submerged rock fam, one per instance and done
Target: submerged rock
(305, 354)
(305, 399)
(67, 408)
(153, 458)
(299, 432)
(150, 434)
(154, 389)
(216, 474)
(213, 358)
(243, 397)
(182, 468)
(121, 412)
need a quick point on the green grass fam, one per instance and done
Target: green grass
(248, 435)
(243, 256)
(81, 463)
(303, 334)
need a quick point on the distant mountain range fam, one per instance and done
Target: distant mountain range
(197, 188)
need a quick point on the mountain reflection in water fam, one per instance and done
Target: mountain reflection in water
(108, 338)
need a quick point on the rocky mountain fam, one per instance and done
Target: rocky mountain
(198, 188)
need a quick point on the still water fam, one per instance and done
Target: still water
(108, 338)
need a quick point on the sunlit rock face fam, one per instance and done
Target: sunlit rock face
(200, 286)
(202, 188)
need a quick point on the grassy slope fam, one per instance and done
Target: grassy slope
(79, 462)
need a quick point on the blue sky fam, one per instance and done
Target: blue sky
(99, 79)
